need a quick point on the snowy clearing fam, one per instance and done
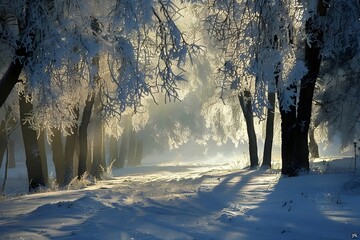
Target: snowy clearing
(191, 202)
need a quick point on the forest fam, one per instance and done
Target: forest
(93, 84)
(179, 119)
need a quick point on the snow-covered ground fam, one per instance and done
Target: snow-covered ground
(194, 202)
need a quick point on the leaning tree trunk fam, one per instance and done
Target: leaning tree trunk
(70, 146)
(32, 152)
(246, 106)
(58, 156)
(83, 136)
(9, 79)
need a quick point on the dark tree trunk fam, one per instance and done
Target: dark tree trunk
(10, 78)
(58, 156)
(32, 152)
(43, 157)
(295, 124)
(83, 136)
(70, 146)
(246, 106)
(312, 61)
(288, 121)
(269, 131)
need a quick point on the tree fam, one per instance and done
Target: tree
(337, 94)
(33, 157)
(54, 43)
(58, 156)
(251, 33)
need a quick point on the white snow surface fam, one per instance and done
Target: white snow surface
(192, 202)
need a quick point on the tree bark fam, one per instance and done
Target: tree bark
(114, 149)
(32, 152)
(123, 152)
(11, 149)
(3, 141)
(58, 156)
(83, 136)
(98, 147)
(295, 124)
(124, 144)
(9, 79)
(313, 146)
(139, 152)
(70, 146)
(313, 62)
(132, 150)
(246, 106)
(98, 151)
(43, 157)
(269, 131)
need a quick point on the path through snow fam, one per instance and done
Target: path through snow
(182, 202)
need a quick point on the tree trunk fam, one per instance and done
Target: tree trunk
(124, 144)
(313, 146)
(83, 136)
(288, 121)
(269, 131)
(246, 106)
(98, 147)
(132, 149)
(295, 124)
(139, 152)
(3, 141)
(70, 145)
(98, 150)
(114, 149)
(32, 152)
(89, 158)
(58, 156)
(9, 79)
(43, 157)
(313, 62)
(11, 149)
(123, 152)
(6, 171)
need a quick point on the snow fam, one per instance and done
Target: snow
(194, 201)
